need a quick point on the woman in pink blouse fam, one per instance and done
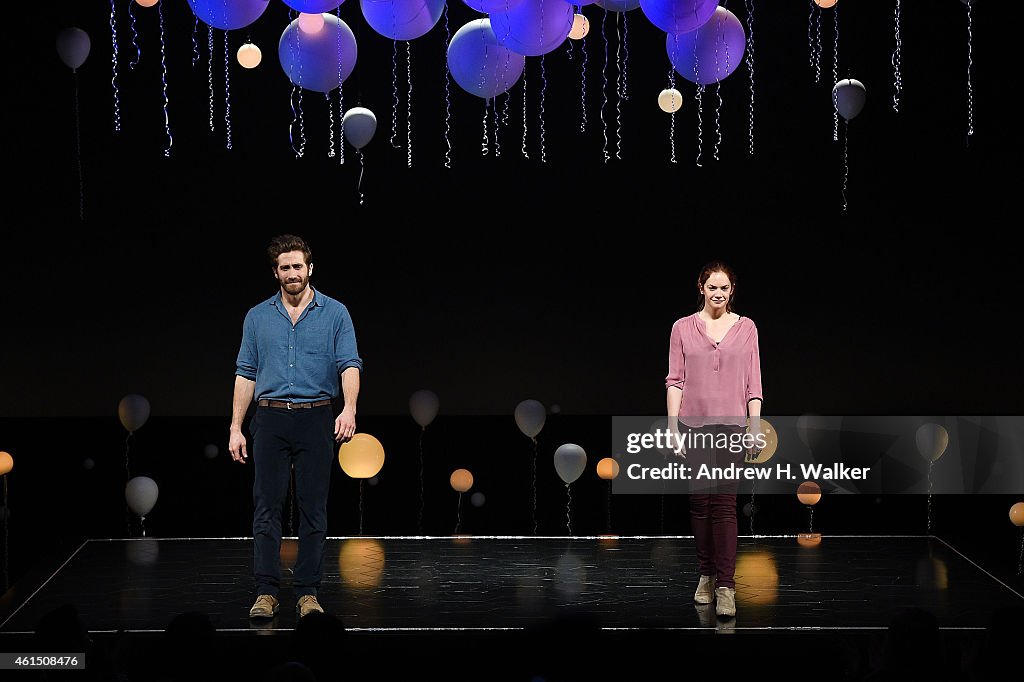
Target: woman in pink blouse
(713, 385)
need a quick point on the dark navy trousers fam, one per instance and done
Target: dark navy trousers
(281, 438)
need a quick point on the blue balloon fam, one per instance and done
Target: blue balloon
(314, 6)
(479, 64)
(402, 19)
(533, 27)
(488, 6)
(678, 16)
(228, 15)
(619, 5)
(710, 53)
(315, 62)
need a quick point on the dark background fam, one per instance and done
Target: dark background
(501, 279)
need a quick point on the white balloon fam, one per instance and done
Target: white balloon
(423, 404)
(670, 100)
(73, 47)
(570, 462)
(848, 97)
(360, 124)
(141, 493)
(530, 416)
(133, 411)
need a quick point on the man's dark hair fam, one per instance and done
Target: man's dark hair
(285, 243)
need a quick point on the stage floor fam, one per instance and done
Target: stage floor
(409, 584)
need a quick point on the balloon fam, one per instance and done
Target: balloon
(618, 5)
(580, 27)
(311, 24)
(533, 27)
(826, 4)
(73, 47)
(228, 15)
(607, 469)
(670, 100)
(402, 19)
(210, 451)
(314, 6)
(461, 480)
(678, 16)
(530, 416)
(489, 6)
(360, 124)
(6, 463)
(362, 456)
(88, 464)
(570, 461)
(423, 405)
(931, 440)
(141, 493)
(848, 97)
(312, 61)
(133, 411)
(477, 500)
(710, 53)
(249, 56)
(808, 493)
(479, 64)
(808, 539)
(1017, 514)
(146, 3)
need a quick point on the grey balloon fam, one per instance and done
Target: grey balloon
(530, 416)
(570, 462)
(210, 451)
(424, 404)
(931, 440)
(849, 96)
(73, 47)
(141, 493)
(360, 124)
(477, 499)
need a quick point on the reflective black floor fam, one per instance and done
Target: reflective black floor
(385, 584)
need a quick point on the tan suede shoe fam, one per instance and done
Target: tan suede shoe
(705, 593)
(725, 601)
(307, 605)
(266, 606)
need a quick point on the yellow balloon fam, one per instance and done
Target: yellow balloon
(771, 438)
(362, 456)
(461, 480)
(361, 562)
(808, 493)
(1016, 511)
(607, 468)
(6, 463)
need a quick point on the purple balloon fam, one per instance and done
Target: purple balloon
(479, 64)
(314, 6)
(73, 47)
(228, 15)
(678, 16)
(619, 5)
(710, 53)
(488, 6)
(534, 27)
(312, 61)
(402, 19)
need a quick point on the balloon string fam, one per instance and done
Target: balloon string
(209, 70)
(486, 137)
(672, 117)
(408, 103)
(543, 93)
(291, 126)
(163, 77)
(700, 120)
(813, 56)
(195, 41)
(604, 88)
(78, 155)
(718, 120)
(896, 58)
(835, 72)
(846, 159)
(142, 525)
(7, 552)
(583, 87)
(534, 513)
(497, 128)
(625, 57)
(811, 510)
(930, 464)
(227, 91)
(341, 102)
(135, 37)
(447, 94)
(1020, 560)
(362, 169)
(970, 63)
(419, 525)
(526, 67)
(618, 88)
(394, 93)
(113, 64)
(458, 518)
(330, 123)
(360, 506)
(753, 510)
(302, 119)
(608, 508)
(750, 67)
(568, 508)
(128, 472)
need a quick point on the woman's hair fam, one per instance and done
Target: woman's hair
(706, 272)
(285, 243)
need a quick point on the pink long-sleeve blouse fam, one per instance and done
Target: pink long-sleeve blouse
(717, 379)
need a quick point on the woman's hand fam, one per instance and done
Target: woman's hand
(754, 430)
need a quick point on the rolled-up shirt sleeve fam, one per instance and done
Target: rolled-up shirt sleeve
(346, 353)
(248, 355)
(754, 373)
(676, 367)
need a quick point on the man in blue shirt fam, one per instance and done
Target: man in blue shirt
(295, 347)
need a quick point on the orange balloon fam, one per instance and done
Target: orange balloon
(362, 456)
(808, 539)
(1016, 513)
(808, 493)
(607, 469)
(826, 4)
(461, 480)
(6, 463)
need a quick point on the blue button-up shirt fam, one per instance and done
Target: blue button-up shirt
(297, 362)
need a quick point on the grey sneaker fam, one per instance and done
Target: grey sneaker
(725, 601)
(307, 605)
(266, 606)
(705, 593)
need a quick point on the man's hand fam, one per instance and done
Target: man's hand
(236, 446)
(345, 425)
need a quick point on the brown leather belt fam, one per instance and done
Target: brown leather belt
(292, 406)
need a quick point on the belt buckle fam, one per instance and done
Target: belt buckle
(289, 405)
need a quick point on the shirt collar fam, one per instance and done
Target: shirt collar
(318, 298)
